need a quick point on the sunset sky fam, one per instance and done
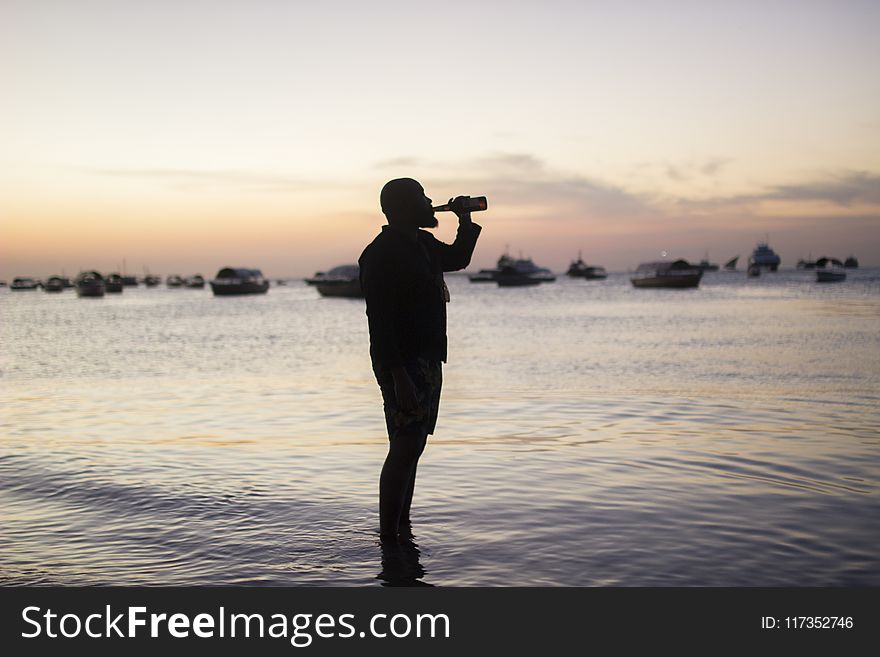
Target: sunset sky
(185, 136)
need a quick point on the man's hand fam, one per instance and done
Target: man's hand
(404, 390)
(456, 205)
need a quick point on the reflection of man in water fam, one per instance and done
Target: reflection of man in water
(402, 279)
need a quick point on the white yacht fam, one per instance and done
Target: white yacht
(765, 257)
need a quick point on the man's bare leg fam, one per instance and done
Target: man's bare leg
(405, 525)
(397, 483)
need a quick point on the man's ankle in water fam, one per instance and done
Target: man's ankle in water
(388, 538)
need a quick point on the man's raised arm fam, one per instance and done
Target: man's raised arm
(457, 255)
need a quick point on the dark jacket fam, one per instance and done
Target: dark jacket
(402, 280)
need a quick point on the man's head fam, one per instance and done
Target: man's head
(404, 204)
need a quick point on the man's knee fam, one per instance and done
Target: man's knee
(409, 445)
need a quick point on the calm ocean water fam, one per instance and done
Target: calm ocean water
(590, 434)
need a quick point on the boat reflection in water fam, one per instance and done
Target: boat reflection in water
(666, 273)
(238, 280)
(341, 281)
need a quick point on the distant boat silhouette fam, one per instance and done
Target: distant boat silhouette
(89, 284)
(730, 265)
(705, 265)
(809, 263)
(238, 280)
(483, 276)
(580, 269)
(666, 273)
(829, 270)
(113, 283)
(523, 266)
(341, 281)
(510, 276)
(765, 257)
(24, 283)
(526, 267)
(54, 284)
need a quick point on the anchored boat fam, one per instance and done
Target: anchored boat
(829, 270)
(89, 284)
(671, 274)
(580, 269)
(765, 257)
(341, 281)
(238, 280)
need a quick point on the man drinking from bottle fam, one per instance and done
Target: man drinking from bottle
(401, 274)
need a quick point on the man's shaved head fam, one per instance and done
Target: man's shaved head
(403, 201)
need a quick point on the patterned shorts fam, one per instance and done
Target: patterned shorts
(427, 377)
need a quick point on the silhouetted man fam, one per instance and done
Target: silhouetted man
(402, 278)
